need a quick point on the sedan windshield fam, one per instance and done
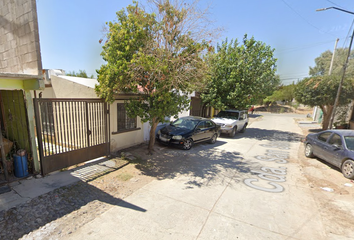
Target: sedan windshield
(225, 114)
(185, 123)
(349, 141)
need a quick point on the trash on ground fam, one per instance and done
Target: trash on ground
(348, 184)
(327, 189)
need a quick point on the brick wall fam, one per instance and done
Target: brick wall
(19, 39)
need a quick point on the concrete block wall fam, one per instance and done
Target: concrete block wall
(19, 38)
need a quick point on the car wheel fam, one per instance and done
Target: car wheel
(213, 138)
(348, 169)
(309, 151)
(188, 143)
(233, 132)
(243, 129)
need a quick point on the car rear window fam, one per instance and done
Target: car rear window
(349, 141)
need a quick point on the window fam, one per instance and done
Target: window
(349, 141)
(324, 136)
(335, 140)
(201, 125)
(123, 120)
(209, 124)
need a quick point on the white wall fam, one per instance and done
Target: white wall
(126, 139)
(63, 88)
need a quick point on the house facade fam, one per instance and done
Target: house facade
(20, 74)
(123, 132)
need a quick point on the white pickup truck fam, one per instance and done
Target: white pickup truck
(232, 121)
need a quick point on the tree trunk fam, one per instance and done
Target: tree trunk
(203, 110)
(327, 112)
(154, 123)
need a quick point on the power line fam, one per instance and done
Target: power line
(285, 76)
(303, 47)
(334, 3)
(349, 31)
(303, 18)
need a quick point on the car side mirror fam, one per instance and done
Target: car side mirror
(198, 130)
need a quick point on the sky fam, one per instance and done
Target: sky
(70, 30)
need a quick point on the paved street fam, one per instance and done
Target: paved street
(257, 185)
(249, 187)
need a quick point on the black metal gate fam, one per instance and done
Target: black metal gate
(70, 131)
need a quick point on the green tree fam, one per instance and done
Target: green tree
(81, 73)
(157, 55)
(240, 74)
(323, 62)
(283, 93)
(321, 91)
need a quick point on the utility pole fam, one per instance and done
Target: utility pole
(344, 67)
(334, 52)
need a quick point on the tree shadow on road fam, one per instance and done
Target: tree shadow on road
(207, 164)
(203, 165)
(270, 135)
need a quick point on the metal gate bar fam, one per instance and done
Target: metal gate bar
(70, 131)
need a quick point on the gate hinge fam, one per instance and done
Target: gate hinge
(107, 111)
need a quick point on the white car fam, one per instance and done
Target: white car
(232, 121)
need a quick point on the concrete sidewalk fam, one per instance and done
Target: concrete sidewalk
(24, 190)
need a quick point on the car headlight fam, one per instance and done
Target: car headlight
(159, 132)
(178, 137)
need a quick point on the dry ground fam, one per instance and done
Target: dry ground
(336, 207)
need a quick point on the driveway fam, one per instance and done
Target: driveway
(248, 187)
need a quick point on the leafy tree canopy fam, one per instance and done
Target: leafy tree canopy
(240, 74)
(157, 55)
(283, 93)
(321, 88)
(323, 62)
(81, 73)
(321, 91)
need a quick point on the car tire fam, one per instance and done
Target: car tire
(243, 129)
(309, 151)
(232, 133)
(187, 144)
(213, 138)
(348, 169)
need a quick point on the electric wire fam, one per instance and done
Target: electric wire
(303, 47)
(348, 35)
(303, 18)
(334, 3)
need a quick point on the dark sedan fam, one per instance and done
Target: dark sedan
(186, 131)
(335, 147)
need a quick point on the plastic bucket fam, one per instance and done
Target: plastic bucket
(20, 166)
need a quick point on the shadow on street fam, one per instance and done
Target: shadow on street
(271, 135)
(54, 205)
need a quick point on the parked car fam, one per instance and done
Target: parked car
(335, 147)
(232, 121)
(186, 131)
